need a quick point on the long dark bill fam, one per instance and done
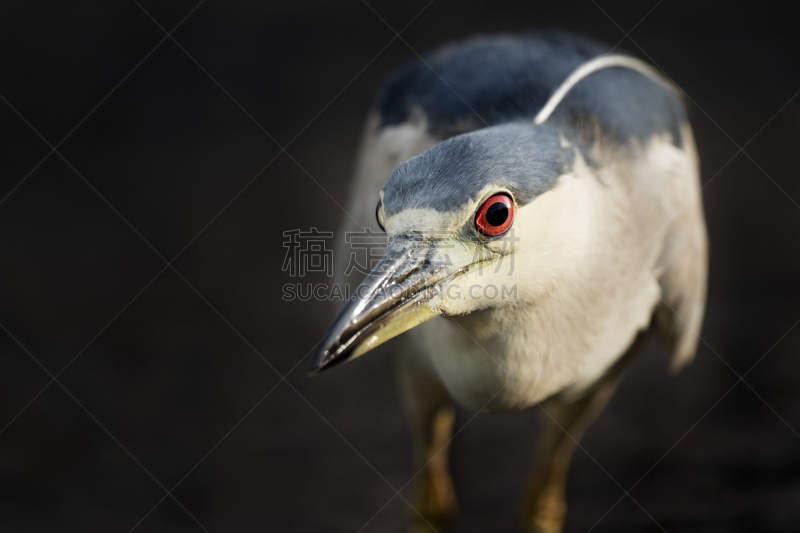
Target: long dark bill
(395, 297)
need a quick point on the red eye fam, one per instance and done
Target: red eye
(495, 215)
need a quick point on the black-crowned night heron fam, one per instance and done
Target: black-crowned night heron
(543, 197)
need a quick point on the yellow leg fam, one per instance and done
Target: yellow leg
(544, 509)
(563, 424)
(430, 414)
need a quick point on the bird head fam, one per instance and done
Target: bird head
(459, 219)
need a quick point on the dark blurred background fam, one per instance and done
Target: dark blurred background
(170, 380)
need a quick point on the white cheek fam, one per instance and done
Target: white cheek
(485, 286)
(558, 230)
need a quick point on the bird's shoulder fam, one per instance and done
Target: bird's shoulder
(489, 80)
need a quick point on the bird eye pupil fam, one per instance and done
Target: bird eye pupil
(497, 214)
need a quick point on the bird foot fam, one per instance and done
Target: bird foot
(433, 507)
(545, 515)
